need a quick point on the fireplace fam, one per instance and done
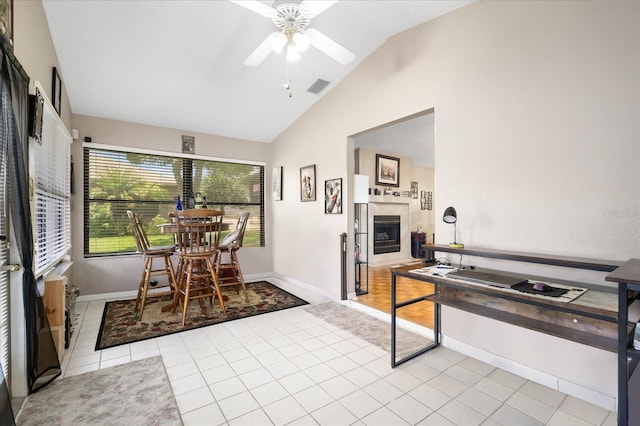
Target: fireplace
(386, 234)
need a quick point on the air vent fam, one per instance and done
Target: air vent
(318, 86)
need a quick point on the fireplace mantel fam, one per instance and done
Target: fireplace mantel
(388, 199)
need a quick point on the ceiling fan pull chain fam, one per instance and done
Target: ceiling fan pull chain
(287, 84)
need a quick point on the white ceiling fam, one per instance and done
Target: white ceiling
(413, 138)
(178, 64)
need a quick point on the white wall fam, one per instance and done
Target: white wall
(122, 273)
(535, 143)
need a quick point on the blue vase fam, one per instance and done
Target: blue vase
(178, 204)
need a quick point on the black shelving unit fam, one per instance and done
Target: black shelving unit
(361, 244)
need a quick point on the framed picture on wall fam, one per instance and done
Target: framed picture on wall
(333, 196)
(276, 183)
(308, 183)
(56, 90)
(387, 170)
(414, 190)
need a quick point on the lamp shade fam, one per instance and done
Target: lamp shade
(450, 215)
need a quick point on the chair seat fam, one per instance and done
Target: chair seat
(160, 250)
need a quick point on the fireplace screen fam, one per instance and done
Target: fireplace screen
(386, 232)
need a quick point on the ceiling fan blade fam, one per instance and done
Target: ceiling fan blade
(256, 6)
(261, 52)
(316, 7)
(330, 47)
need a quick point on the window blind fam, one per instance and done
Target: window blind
(149, 184)
(51, 176)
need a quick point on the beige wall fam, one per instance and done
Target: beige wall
(34, 49)
(121, 273)
(535, 145)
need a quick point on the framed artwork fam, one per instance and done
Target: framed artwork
(188, 144)
(387, 170)
(414, 190)
(426, 200)
(276, 183)
(6, 19)
(308, 183)
(56, 89)
(333, 196)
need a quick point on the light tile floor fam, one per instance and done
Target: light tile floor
(290, 367)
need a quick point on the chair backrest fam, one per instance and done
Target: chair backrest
(139, 233)
(198, 231)
(235, 238)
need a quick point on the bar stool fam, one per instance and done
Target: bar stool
(198, 240)
(227, 264)
(150, 254)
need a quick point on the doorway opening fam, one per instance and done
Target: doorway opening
(410, 140)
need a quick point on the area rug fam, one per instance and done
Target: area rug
(137, 393)
(120, 324)
(370, 329)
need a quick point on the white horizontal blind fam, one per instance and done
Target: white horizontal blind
(50, 173)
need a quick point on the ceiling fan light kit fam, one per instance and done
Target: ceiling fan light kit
(292, 18)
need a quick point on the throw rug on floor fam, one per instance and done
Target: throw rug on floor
(137, 393)
(120, 323)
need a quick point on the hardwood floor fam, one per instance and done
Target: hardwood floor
(379, 296)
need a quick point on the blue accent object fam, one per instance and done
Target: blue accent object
(179, 204)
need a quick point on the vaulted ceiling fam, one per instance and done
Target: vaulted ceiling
(179, 64)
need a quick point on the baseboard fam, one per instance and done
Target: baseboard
(605, 401)
(311, 294)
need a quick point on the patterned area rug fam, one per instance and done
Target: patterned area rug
(369, 328)
(120, 325)
(106, 397)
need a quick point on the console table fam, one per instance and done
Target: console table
(590, 319)
(628, 278)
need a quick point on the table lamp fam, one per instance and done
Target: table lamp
(450, 216)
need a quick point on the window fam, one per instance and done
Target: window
(50, 171)
(149, 184)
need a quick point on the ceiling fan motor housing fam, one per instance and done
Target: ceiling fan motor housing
(290, 17)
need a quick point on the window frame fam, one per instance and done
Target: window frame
(172, 155)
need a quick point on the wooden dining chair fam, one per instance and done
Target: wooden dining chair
(198, 240)
(150, 254)
(227, 264)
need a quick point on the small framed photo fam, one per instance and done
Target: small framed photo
(333, 196)
(308, 183)
(414, 190)
(387, 170)
(188, 144)
(276, 183)
(56, 90)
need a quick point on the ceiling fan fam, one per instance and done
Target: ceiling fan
(292, 18)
